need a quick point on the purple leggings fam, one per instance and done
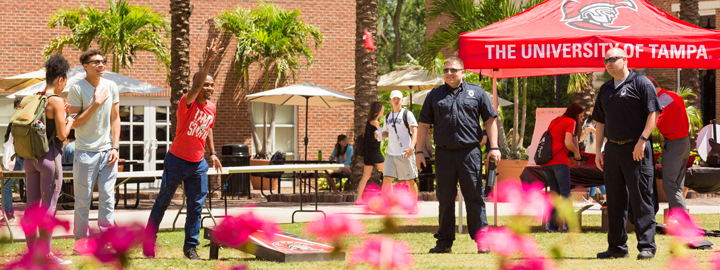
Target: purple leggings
(42, 186)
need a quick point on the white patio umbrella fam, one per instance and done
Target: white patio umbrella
(125, 84)
(22, 81)
(408, 78)
(306, 93)
(419, 98)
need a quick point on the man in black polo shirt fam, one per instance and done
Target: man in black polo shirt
(455, 109)
(626, 111)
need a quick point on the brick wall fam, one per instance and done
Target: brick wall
(433, 25)
(25, 32)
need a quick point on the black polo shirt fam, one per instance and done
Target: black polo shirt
(456, 117)
(624, 110)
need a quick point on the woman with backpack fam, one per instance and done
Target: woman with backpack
(563, 130)
(371, 147)
(44, 175)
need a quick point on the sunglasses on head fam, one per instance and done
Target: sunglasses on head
(97, 62)
(451, 70)
(612, 59)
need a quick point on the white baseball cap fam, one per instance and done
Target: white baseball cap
(396, 94)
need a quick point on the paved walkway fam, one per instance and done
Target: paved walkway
(282, 214)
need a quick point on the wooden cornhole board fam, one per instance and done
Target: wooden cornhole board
(285, 247)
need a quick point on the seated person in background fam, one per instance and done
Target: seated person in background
(68, 151)
(342, 153)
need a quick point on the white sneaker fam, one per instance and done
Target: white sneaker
(52, 259)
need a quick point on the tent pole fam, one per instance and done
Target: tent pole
(307, 107)
(495, 106)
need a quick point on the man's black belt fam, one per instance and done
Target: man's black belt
(623, 142)
(445, 147)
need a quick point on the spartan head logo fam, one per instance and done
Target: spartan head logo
(594, 15)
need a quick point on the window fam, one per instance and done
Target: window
(285, 126)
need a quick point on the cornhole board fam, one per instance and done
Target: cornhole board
(285, 247)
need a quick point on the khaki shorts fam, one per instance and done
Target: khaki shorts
(399, 168)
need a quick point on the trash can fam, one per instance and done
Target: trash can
(232, 156)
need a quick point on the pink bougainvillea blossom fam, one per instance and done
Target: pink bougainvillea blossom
(381, 251)
(335, 227)
(35, 259)
(37, 218)
(715, 260)
(683, 226)
(534, 263)
(524, 197)
(682, 263)
(399, 199)
(505, 242)
(235, 231)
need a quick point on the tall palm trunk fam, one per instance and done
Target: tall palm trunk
(396, 29)
(179, 56)
(366, 69)
(690, 78)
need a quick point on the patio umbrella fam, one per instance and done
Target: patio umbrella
(409, 78)
(419, 98)
(125, 84)
(22, 81)
(306, 93)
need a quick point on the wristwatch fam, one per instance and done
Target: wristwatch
(213, 153)
(643, 138)
(494, 148)
(116, 148)
(418, 152)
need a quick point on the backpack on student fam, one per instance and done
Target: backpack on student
(404, 117)
(29, 127)
(544, 153)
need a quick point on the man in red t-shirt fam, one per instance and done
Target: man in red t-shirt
(557, 172)
(185, 163)
(673, 124)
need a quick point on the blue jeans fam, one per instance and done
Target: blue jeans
(558, 178)
(601, 188)
(7, 189)
(193, 176)
(89, 168)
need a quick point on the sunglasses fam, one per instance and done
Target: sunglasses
(612, 59)
(451, 70)
(97, 62)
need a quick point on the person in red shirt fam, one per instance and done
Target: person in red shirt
(185, 163)
(557, 172)
(673, 124)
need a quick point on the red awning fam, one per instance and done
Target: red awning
(570, 36)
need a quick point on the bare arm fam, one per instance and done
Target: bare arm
(639, 151)
(570, 143)
(600, 133)
(100, 96)
(114, 132)
(210, 54)
(492, 131)
(63, 124)
(413, 141)
(211, 147)
(422, 132)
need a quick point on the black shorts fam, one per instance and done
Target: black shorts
(375, 157)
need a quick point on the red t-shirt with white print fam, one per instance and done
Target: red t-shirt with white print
(192, 129)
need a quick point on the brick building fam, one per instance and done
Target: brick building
(145, 130)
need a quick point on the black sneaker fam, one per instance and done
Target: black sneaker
(645, 255)
(192, 254)
(612, 255)
(441, 249)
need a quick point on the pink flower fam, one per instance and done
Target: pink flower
(236, 231)
(682, 226)
(524, 197)
(534, 263)
(682, 263)
(506, 243)
(34, 259)
(112, 245)
(715, 260)
(381, 251)
(399, 199)
(335, 227)
(37, 218)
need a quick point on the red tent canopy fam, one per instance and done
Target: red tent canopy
(570, 36)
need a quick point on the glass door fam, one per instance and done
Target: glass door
(144, 134)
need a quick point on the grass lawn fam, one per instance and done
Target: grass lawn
(577, 254)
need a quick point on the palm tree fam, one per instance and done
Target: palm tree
(277, 39)
(366, 69)
(180, 11)
(122, 30)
